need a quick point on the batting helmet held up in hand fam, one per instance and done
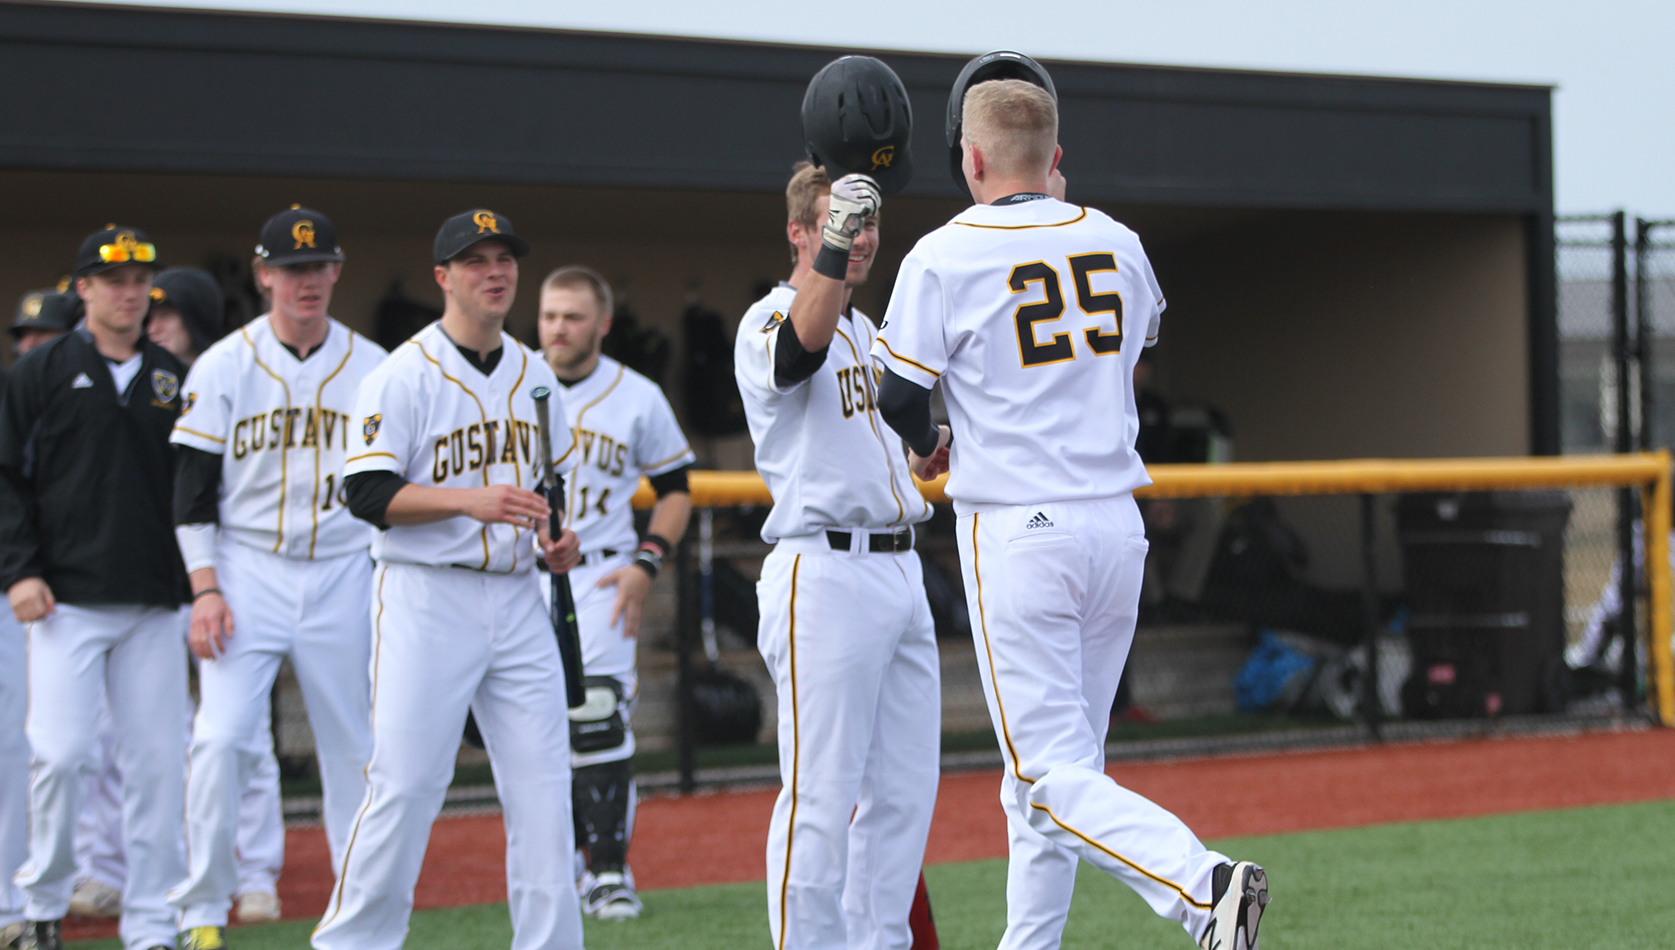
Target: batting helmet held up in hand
(1000, 64)
(856, 118)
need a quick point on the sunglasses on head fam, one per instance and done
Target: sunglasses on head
(123, 252)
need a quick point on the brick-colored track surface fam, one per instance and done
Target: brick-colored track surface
(714, 838)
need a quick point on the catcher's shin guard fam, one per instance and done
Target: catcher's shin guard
(603, 804)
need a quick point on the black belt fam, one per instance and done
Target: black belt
(889, 543)
(594, 558)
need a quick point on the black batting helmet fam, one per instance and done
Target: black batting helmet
(856, 118)
(1000, 64)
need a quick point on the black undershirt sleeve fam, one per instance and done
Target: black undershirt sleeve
(793, 363)
(906, 407)
(670, 481)
(369, 495)
(197, 486)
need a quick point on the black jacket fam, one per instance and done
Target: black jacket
(87, 476)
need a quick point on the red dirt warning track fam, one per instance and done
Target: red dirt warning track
(722, 837)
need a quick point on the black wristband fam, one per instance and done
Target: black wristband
(831, 262)
(650, 563)
(659, 542)
(206, 590)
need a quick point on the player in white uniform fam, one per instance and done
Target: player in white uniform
(279, 566)
(1030, 312)
(846, 630)
(14, 769)
(624, 428)
(446, 450)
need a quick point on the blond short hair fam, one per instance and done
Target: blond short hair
(1015, 123)
(575, 275)
(809, 183)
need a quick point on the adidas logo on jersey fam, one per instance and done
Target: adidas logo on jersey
(82, 381)
(1039, 521)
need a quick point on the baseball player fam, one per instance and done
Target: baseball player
(624, 428)
(42, 316)
(186, 316)
(846, 629)
(446, 448)
(88, 556)
(1029, 310)
(14, 767)
(278, 566)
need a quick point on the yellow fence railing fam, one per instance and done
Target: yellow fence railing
(1648, 471)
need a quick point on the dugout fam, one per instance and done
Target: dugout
(1355, 266)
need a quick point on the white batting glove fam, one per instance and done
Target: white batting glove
(854, 199)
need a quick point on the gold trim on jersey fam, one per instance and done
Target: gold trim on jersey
(201, 435)
(1201, 905)
(796, 751)
(872, 414)
(576, 436)
(1021, 227)
(336, 904)
(367, 455)
(517, 470)
(284, 478)
(320, 411)
(685, 450)
(911, 362)
(994, 681)
(483, 418)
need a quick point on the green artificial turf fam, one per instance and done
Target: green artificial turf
(1564, 880)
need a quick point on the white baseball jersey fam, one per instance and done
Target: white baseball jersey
(1032, 315)
(431, 417)
(623, 428)
(282, 428)
(827, 457)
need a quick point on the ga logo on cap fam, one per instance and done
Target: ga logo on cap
(485, 222)
(369, 427)
(158, 295)
(303, 233)
(883, 157)
(32, 307)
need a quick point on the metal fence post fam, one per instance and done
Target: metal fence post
(685, 621)
(1621, 352)
(1372, 704)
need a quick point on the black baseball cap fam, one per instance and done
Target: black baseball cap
(48, 310)
(196, 296)
(114, 246)
(463, 230)
(298, 235)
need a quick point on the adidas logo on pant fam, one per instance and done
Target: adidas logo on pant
(1039, 521)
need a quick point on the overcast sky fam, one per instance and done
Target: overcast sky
(1613, 61)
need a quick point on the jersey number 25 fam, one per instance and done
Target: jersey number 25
(1032, 352)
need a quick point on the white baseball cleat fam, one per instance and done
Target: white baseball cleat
(12, 934)
(258, 907)
(95, 899)
(1238, 895)
(612, 898)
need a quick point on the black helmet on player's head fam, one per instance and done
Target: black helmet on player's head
(856, 118)
(1000, 64)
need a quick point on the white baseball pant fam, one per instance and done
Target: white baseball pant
(14, 764)
(315, 612)
(446, 640)
(261, 828)
(1054, 592)
(136, 657)
(851, 645)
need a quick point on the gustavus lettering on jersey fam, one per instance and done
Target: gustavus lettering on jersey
(612, 455)
(853, 391)
(290, 429)
(497, 441)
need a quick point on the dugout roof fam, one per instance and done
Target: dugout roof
(155, 91)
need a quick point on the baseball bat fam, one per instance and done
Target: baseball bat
(563, 606)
